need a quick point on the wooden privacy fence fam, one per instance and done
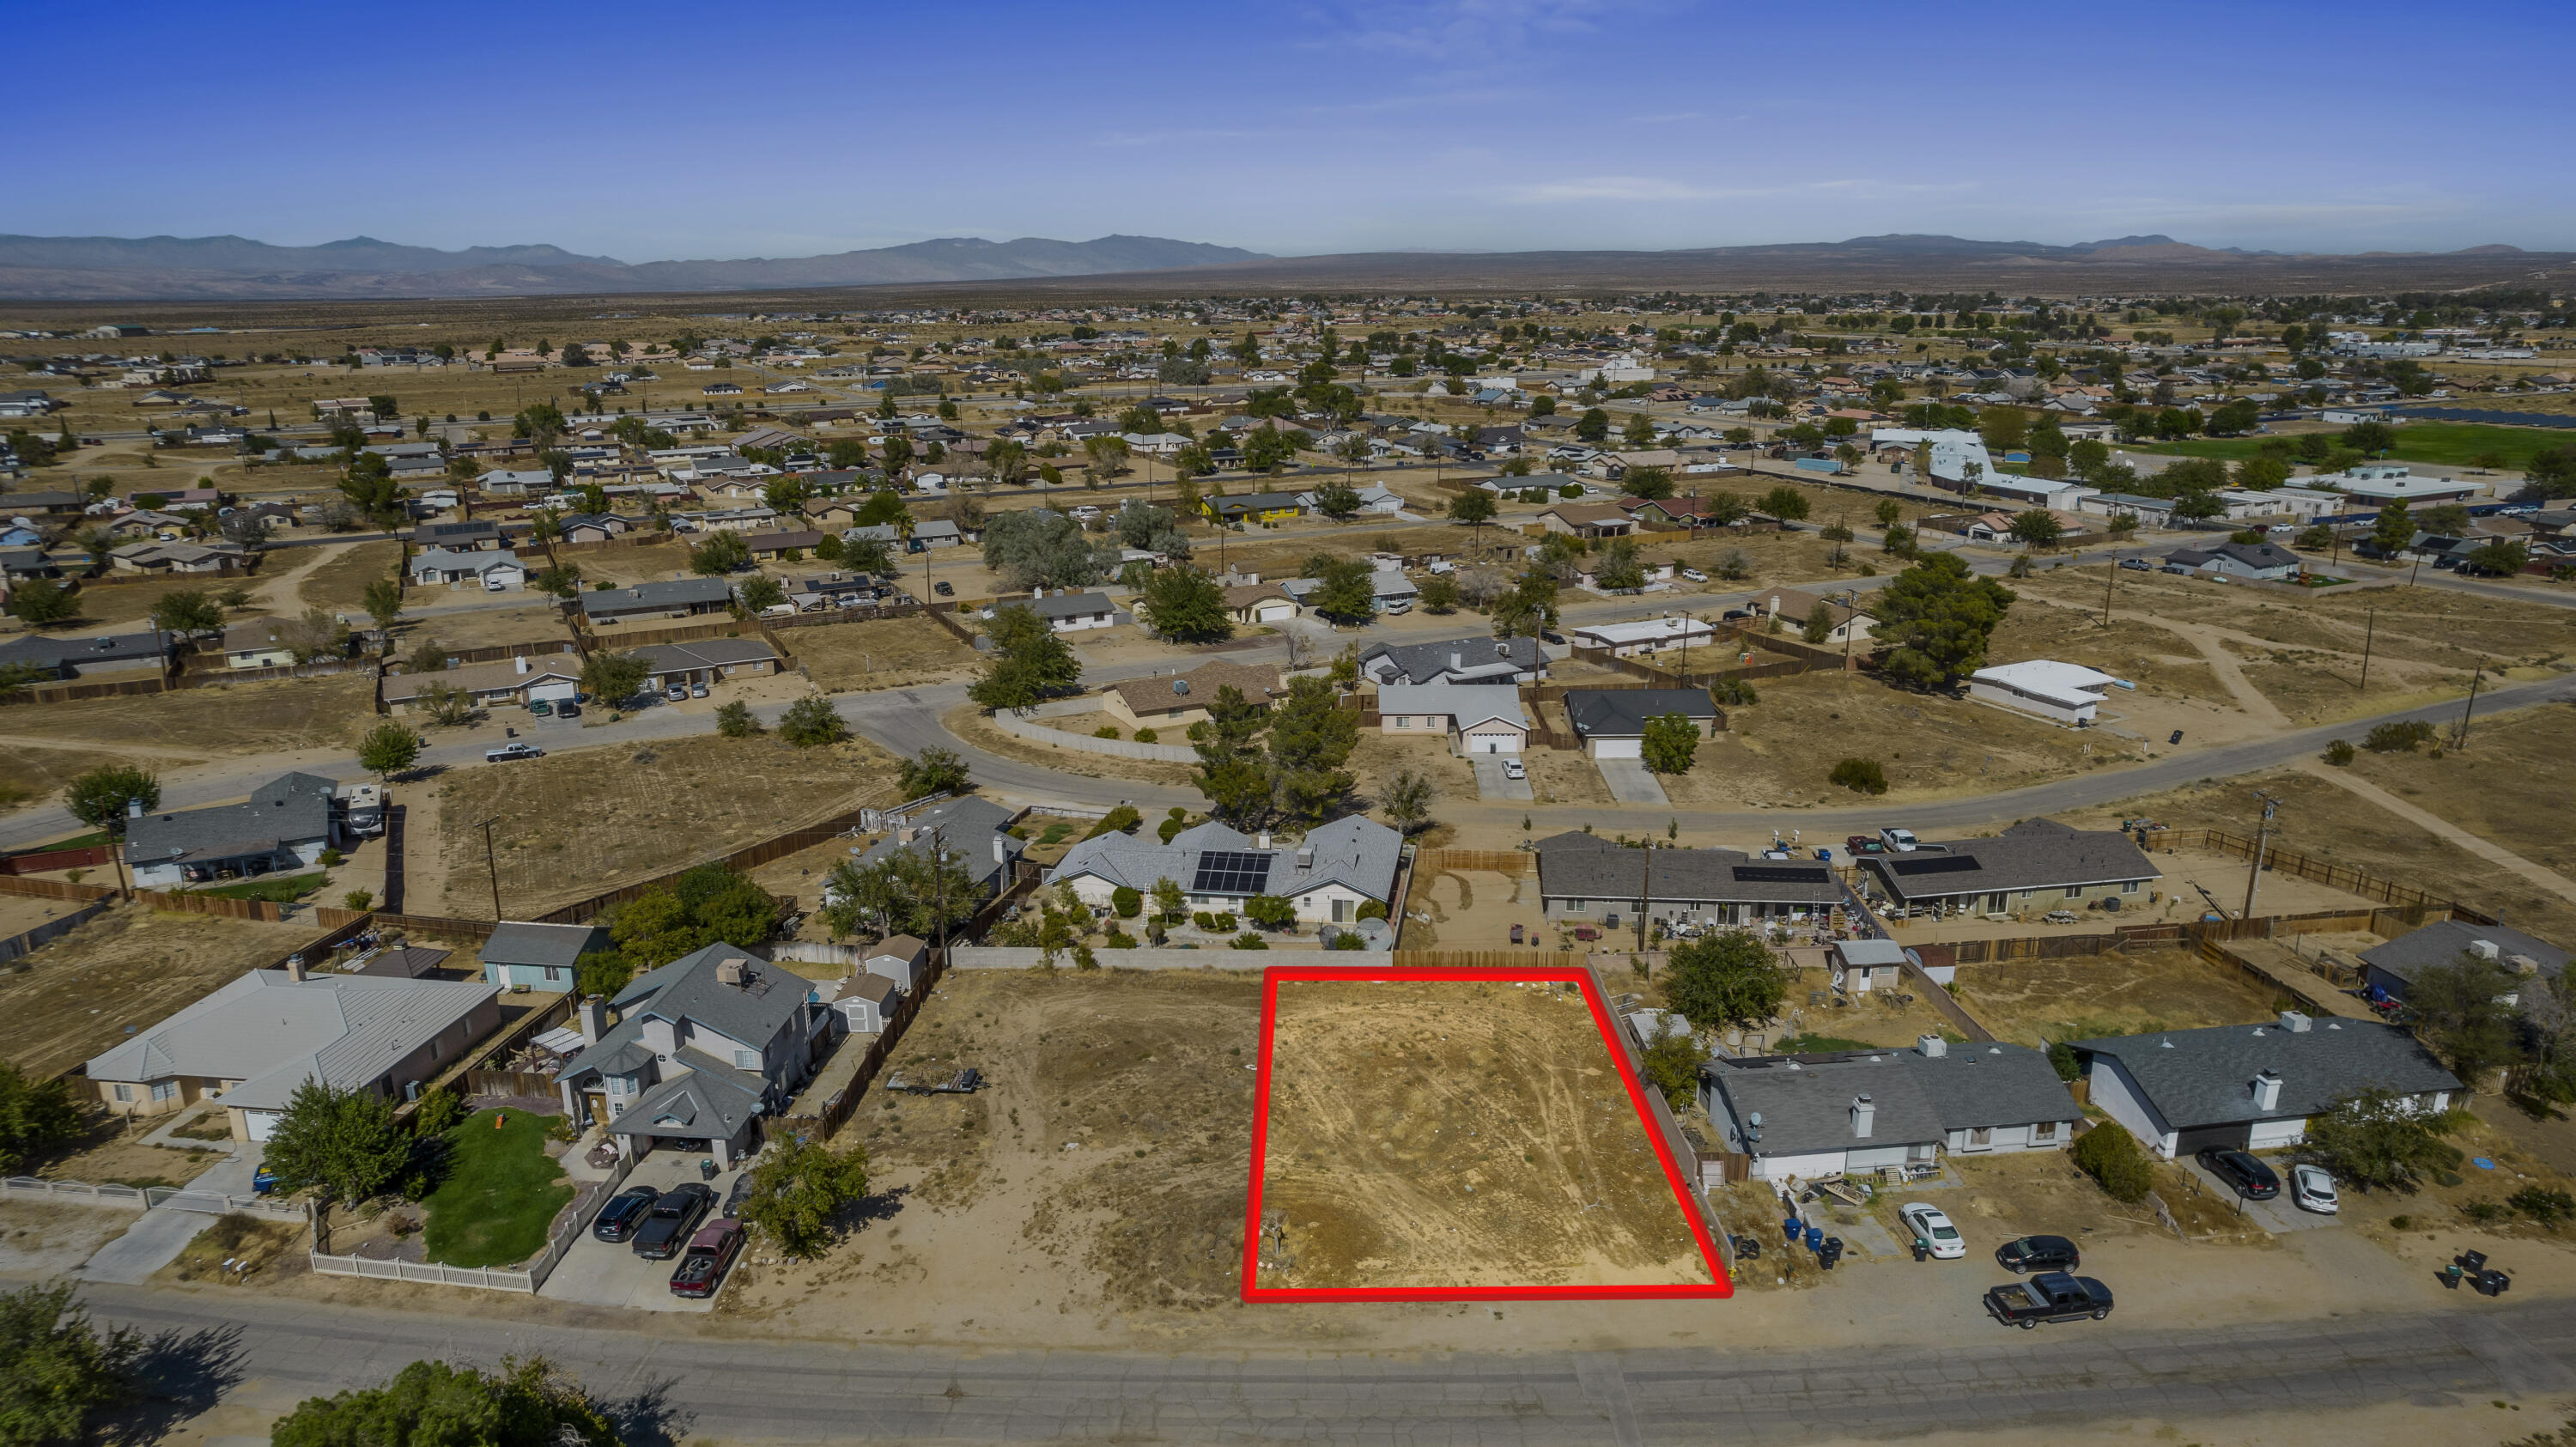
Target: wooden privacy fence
(836, 1108)
(53, 889)
(495, 653)
(1486, 861)
(73, 692)
(44, 860)
(750, 856)
(443, 926)
(2336, 876)
(215, 904)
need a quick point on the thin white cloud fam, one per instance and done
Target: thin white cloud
(1668, 189)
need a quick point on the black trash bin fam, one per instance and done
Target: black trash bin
(2493, 1283)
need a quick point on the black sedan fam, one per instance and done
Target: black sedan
(2243, 1174)
(2038, 1253)
(674, 1216)
(624, 1212)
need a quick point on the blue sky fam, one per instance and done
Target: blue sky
(649, 131)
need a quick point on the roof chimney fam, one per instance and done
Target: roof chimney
(295, 968)
(522, 662)
(2267, 1090)
(1261, 840)
(1863, 1114)
(1001, 849)
(133, 808)
(593, 1015)
(1932, 1047)
(2294, 1022)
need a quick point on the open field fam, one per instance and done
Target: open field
(1469, 1134)
(646, 563)
(529, 622)
(880, 653)
(2510, 786)
(2455, 443)
(574, 823)
(127, 604)
(2033, 1002)
(129, 966)
(339, 584)
(972, 724)
(31, 770)
(231, 718)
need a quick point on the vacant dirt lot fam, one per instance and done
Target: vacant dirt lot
(532, 621)
(340, 582)
(127, 603)
(2034, 1002)
(232, 718)
(1457, 1135)
(31, 770)
(882, 653)
(643, 564)
(574, 823)
(2508, 787)
(130, 966)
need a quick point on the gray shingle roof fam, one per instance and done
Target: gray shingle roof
(1807, 1106)
(2205, 1077)
(1358, 853)
(516, 942)
(713, 1099)
(965, 827)
(1586, 866)
(1080, 605)
(654, 597)
(1453, 660)
(2442, 942)
(2033, 854)
(287, 809)
(55, 652)
(1622, 712)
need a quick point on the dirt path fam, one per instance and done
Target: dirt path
(156, 751)
(277, 592)
(2547, 878)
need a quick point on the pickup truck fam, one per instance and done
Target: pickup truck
(2049, 1296)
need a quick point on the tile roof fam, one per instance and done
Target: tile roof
(2205, 1077)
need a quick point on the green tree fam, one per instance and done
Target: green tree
(1270, 911)
(2374, 1137)
(723, 552)
(1819, 624)
(2112, 1157)
(1230, 771)
(2393, 529)
(1169, 901)
(187, 612)
(614, 677)
(1029, 661)
(799, 1189)
(1671, 743)
(735, 720)
(42, 600)
(527, 1403)
(1439, 593)
(2369, 438)
(1347, 593)
(343, 1145)
(389, 749)
(1888, 512)
(1406, 798)
(1337, 500)
(2502, 558)
(2037, 528)
(103, 797)
(812, 722)
(1186, 604)
(1593, 426)
(1474, 507)
(1311, 735)
(760, 591)
(934, 771)
(1043, 548)
(1785, 503)
(56, 1368)
(1728, 981)
(1651, 483)
(1940, 616)
(1861, 776)
(35, 1116)
(2460, 1012)
(1672, 1065)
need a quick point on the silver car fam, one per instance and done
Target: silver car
(2312, 1189)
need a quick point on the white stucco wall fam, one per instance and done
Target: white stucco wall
(2118, 1097)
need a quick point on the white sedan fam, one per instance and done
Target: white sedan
(2311, 1189)
(1932, 1225)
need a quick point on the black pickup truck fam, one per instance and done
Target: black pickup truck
(2048, 1296)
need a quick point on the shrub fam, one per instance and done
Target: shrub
(2485, 1213)
(1224, 923)
(1270, 911)
(1250, 941)
(812, 722)
(330, 858)
(2339, 753)
(1373, 909)
(2110, 1155)
(735, 721)
(2398, 738)
(438, 1113)
(1127, 902)
(2061, 1058)
(1171, 826)
(1734, 693)
(1105, 731)
(1861, 776)
(1345, 940)
(1146, 736)
(1084, 959)
(1203, 920)
(1121, 940)
(358, 899)
(1116, 821)
(2544, 1204)
(1570, 491)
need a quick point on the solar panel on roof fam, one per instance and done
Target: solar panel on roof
(1228, 871)
(1937, 864)
(1776, 874)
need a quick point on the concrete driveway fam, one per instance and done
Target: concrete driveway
(161, 1233)
(1490, 782)
(1630, 782)
(599, 1273)
(2276, 1215)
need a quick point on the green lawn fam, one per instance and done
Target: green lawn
(275, 888)
(2452, 443)
(501, 1191)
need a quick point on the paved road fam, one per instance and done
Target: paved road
(268, 1353)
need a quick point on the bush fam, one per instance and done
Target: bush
(1734, 693)
(1146, 736)
(330, 858)
(437, 1114)
(1270, 911)
(1084, 959)
(1121, 940)
(358, 899)
(1250, 941)
(1105, 731)
(1570, 491)
(1117, 821)
(2543, 1204)
(2339, 753)
(735, 721)
(2112, 1158)
(812, 722)
(1345, 940)
(2061, 1058)
(1373, 909)
(1171, 826)
(2398, 738)
(1126, 902)
(1861, 776)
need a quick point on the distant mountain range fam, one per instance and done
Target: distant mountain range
(213, 268)
(231, 268)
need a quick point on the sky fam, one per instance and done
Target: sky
(648, 131)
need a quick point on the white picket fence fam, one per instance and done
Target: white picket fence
(212, 1203)
(487, 1278)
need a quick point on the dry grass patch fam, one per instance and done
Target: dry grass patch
(879, 653)
(574, 823)
(239, 1248)
(126, 603)
(1779, 751)
(2510, 786)
(230, 718)
(130, 966)
(340, 584)
(646, 563)
(31, 771)
(533, 622)
(974, 726)
(2155, 659)
(2033, 1002)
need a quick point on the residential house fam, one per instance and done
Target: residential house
(1250, 603)
(1793, 608)
(1586, 879)
(253, 1043)
(2393, 966)
(708, 660)
(476, 535)
(2379, 483)
(1071, 612)
(2067, 693)
(2262, 562)
(770, 547)
(253, 643)
(1612, 721)
(1253, 507)
(2036, 864)
(1374, 499)
(1337, 870)
(283, 827)
(178, 558)
(525, 955)
(550, 677)
(1958, 457)
(1645, 635)
(699, 1050)
(1392, 592)
(591, 527)
(1176, 701)
(2254, 1087)
(95, 659)
(1454, 660)
(493, 572)
(1859, 1112)
(1475, 718)
(971, 831)
(515, 482)
(670, 598)
(936, 533)
(1588, 520)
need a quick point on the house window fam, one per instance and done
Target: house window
(2130, 886)
(555, 974)
(165, 1090)
(746, 1060)
(1577, 906)
(2044, 1132)
(1980, 1137)
(2075, 891)
(124, 1093)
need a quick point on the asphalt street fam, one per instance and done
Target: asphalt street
(670, 1383)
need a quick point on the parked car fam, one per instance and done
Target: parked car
(1550, 635)
(2243, 1174)
(1695, 575)
(710, 1255)
(2137, 565)
(1864, 844)
(697, 690)
(1900, 840)
(624, 1212)
(2038, 1253)
(734, 1198)
(540, 708)
(1515, 769)
(2049, 1296)
(2177, 569)
(1931, 1226)
(2312, 1189)
(507, 752)
(677, 693)
(567, 709)
(667, 1229)
(943, 589)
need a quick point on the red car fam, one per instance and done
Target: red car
(1865, 844)
(710, 1255)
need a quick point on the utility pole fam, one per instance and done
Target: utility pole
(1646, 905)
(2108, 581)
(2462, 741)
(492, 867)
(2370, 631)
(2262, 838)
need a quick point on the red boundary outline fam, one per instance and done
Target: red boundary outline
(1270, 980)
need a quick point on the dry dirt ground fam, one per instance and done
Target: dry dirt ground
(645, 563)
(126, 604)
(2033, 1002)
(339, 583)
(1469, 1134)
(531, 622)
(577, 822)
(880, 653)
(972, 724)
(2509, 787)
(129, 966)
(232, 718)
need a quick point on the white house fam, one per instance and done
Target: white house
(2253, 1087)
(1336, 871)
(1644, 635)
(1071, 612)
(1475, 718)
(2066, 693)
(284, 828)
(500, 572)
(2261, 562)
(1806, 1117)
(2385, 482)
(1954, 451)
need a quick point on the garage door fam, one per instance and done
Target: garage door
(1618, 748)
(261, 1123)
(2226, 1137)
(554, 692)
